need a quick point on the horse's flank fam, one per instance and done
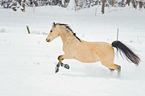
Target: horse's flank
(89, 52)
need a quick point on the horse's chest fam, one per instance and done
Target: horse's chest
(69, 48)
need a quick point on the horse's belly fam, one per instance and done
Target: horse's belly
(88, 58)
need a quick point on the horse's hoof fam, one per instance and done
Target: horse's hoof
(119, 70)
(66, 66)
(56, 69)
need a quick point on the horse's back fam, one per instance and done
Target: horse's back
(99, 45)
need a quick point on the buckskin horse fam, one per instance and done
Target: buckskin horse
(88, 52)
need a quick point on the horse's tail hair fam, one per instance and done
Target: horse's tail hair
(129, 54)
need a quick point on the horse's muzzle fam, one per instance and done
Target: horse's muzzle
(48, 40)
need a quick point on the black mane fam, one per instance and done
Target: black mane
(69, 30)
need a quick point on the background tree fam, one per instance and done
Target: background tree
(103, 6)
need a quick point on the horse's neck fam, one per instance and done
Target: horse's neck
(67, 37)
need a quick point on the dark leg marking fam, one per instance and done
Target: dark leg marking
(60, 63)
(57, 68)
(66, 66)
(60, 58)
(119, 70)
(111, 70)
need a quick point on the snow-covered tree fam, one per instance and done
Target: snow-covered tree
(71, 5)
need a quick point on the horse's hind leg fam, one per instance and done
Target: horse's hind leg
(112, 66)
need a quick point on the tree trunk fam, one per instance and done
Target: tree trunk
(112, 2)
(128, 2)
(134, 5)
(103, 6)
(79, 4)
(72, 4)
(140, 4)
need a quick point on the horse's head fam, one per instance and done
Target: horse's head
(54, 33)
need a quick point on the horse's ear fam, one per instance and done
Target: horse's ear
(54, 24)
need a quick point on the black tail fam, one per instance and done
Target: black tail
(130, 55)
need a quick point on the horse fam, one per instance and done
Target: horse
(88, 52)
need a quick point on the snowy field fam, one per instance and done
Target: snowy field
(27, 61)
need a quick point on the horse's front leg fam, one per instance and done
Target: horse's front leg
(60, 58)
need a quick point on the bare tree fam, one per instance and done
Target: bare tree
(140, 4)
(112, 2)
(80, 4)
(128, 2)
(103, 6)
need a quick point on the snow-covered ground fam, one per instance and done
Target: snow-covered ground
(27, 61)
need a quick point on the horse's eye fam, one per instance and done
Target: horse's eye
(51, 31)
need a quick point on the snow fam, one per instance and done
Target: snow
(27, 61)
